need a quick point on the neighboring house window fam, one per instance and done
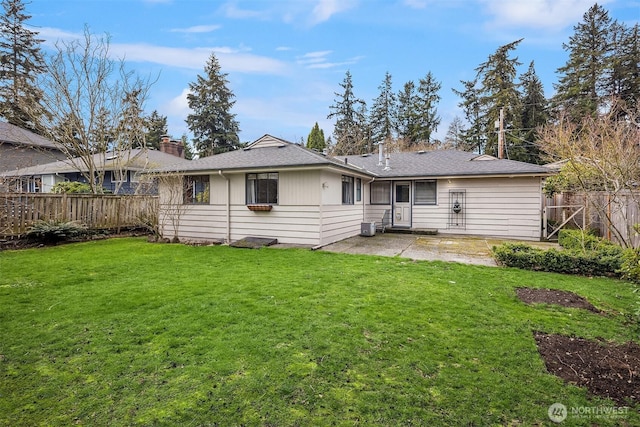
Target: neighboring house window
(196, 189)
(262, 188)
(381, 193)
(347, 190)
(358, 189)
(119, 175)
(135, 176)
(425, 193)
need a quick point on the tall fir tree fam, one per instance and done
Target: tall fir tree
(456, 136)
(499, 91)
(214, 127)
(382, 119)
(534, 114)
(315, 140)
(407, 120)
(348, 129)
(22, 63)
(625, 66)
(155, 128)
(474, 136)
(584, 83)
(426, 110)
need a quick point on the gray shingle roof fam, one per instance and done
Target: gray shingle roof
(18, 136)
(269, 152)
(137, 160)
(442, 163)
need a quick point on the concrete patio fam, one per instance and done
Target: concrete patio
(451, 248)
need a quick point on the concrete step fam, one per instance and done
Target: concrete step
(421, 231)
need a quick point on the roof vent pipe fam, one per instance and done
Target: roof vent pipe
(380, 153)
(387, 166)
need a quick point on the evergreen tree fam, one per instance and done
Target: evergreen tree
(315, 140)
(456, 136)
(498, 90)
(407, 120)
(349, 120)
(625, 72)
(131, 128)
(382, 120)
(21, 64)
(474, 136)
(155, 127)
(188, 151)
(214, 127)
(426, 111)
(534, 114)
(584, 83)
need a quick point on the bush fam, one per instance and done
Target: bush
(582, 240)
(605, 261)
(68, 187)
(52, 232)
(630, 269)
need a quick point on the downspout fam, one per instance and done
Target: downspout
(228, 206)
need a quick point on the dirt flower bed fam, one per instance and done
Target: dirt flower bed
(606, 370)
(552, 296)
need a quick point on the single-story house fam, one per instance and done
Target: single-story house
(20, 148)
(277, 189)
(122, 170)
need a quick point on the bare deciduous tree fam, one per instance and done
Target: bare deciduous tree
(602, 156)
(95, 106)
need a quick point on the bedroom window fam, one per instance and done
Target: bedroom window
(381, 193)
(358, 189)
(262, 188)
(425, 193)
(347, 190)
(196, 189)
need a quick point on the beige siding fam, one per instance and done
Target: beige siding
(504, 207)
(299, 188)
(340, 222)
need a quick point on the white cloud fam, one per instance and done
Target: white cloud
(197, 29)
(551, 14)
(325, 9)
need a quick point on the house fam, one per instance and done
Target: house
(277, 189)
(122, 170)
(20, 148)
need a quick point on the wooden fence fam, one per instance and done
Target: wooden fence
(19, 210)
(623, 210)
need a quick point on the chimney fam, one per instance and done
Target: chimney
(173, 147)
(380, 153)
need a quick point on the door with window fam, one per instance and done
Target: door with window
(402, 204)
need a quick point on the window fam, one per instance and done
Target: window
(262, 188)
(358, 189)
(347, 190)
(135, 176)
(425, 193)
(402, 193)
(196, 189)
(381, 193)
(119, 175)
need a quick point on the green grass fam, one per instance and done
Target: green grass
(123, 332)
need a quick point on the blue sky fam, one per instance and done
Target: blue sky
(285, 59)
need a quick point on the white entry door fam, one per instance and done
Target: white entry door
(402, 204)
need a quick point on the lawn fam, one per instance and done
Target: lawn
(125, 332)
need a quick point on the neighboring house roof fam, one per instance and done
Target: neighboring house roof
(135, 159)
(17, 136)
(270, 152)
(442, 163)
(266, 152)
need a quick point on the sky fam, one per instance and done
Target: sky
(285, 59)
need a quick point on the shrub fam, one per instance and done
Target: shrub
(630, 268)
(69, 187)
(52, 232)
(605, 261)
(583, 240)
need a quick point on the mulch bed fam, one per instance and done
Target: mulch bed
(606, 370)
(553, 296)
